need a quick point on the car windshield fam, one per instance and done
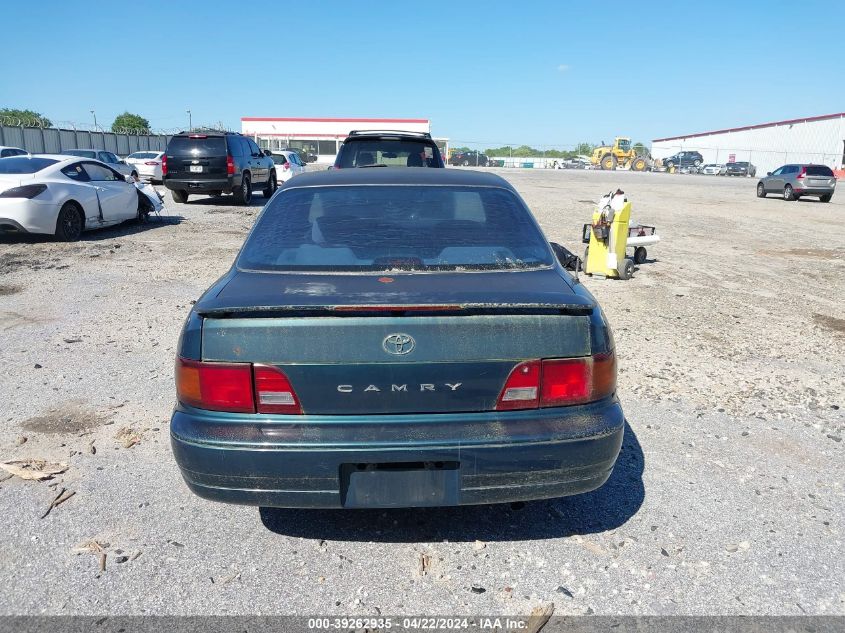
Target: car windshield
(395, 228)
(388, 153)
(24, 164)
(819, 170)
(197, 146)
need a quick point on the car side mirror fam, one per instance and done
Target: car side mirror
(122, 162)
(267, 152)
(768, 173)
(129, 179)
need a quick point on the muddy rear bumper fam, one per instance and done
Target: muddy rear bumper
(443, 459)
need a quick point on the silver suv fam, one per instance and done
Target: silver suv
(794, 181)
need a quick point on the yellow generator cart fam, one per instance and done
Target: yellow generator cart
(608, 238)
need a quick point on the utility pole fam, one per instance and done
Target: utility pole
(190, 122)
(95, 119)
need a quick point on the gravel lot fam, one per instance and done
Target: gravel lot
(727, 499)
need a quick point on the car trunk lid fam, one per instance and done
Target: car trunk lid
(197, 157)
(351, 344)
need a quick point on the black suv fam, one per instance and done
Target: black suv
(215, 163)
(684, 159)
(742, 168)
(471, 158)
(378, 148)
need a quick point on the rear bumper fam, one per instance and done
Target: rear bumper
(19, 215)
(815, 191)
(205, 185)
(304, 461)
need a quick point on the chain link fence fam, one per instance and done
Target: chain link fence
(39, 136)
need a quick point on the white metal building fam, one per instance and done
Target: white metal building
(818, 139)
(322, 137)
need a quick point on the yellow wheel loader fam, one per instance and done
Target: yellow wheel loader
(621, 155)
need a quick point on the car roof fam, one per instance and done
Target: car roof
(398, 176)
(200, 133)
(60, 157)
(365, 135)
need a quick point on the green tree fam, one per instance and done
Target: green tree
(127, 120)
(499, 151)
(27, 118)
(584, 148)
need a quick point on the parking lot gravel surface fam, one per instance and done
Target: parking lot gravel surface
(727, 497)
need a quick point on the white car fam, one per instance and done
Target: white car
(62, 196)
(106, 157)
(5, 152)
(147, 163)
(288, 164)
(713, 169)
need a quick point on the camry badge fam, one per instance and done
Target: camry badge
(398, 344)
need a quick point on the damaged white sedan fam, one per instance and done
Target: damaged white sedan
(63, 196)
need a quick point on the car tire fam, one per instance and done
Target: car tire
(179, 195)
(789, 193)
(669, 165)
(465, 163)
(640, 254)
(145, 207)
(626, 271)
(826, 197)
(696, 163)
(69, 223)
(271, 185)
(761, 190)
(243, 194)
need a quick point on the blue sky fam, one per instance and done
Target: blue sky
(491, 73)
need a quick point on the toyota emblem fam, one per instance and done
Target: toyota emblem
(398, 344)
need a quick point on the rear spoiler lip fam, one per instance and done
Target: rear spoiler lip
(391, 310)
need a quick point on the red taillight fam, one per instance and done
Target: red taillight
(215, 386)
(164, 165)
(235, 387)
(273, 391)
(230, 165)
(802, 174)
(559, 382)
(522, 388)
(565, 381)
(151, 162)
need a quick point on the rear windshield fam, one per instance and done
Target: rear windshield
(395, 228)
(208, 146)
(390, 153)
(279, 159)
(819, 170)
(85, 153)
(739, 164)
(24, 164)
